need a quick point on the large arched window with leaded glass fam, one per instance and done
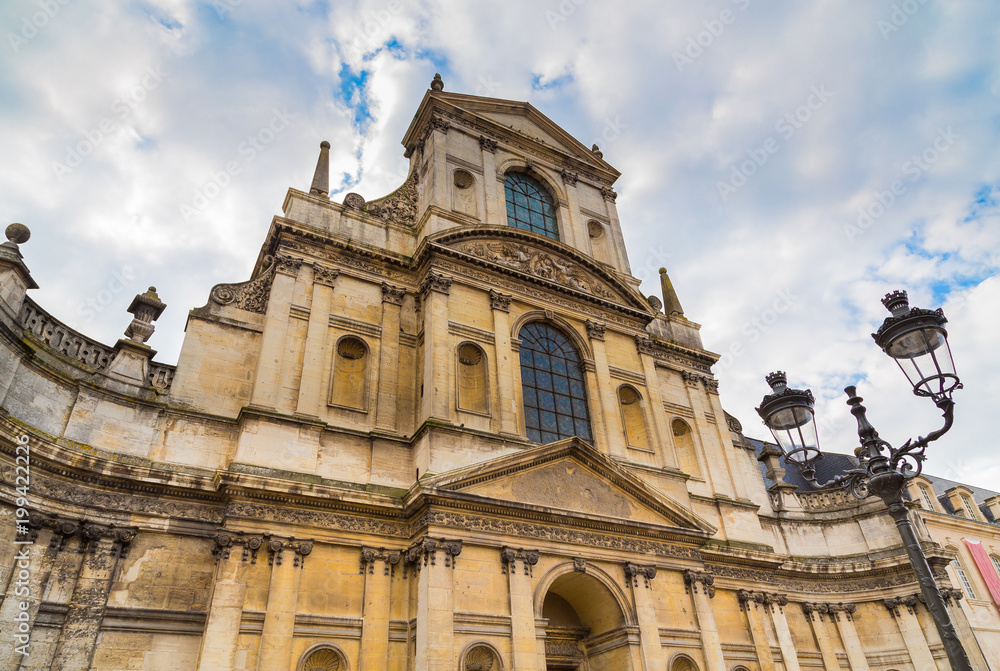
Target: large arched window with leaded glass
(529, 205)
(555, 397)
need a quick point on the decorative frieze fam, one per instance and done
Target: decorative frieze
(633, 571)
(595, 330)
(435, 282)
(766, 599)
(424, 553)
(500, 301)
(487, 144)
(324, 275)
(833, 610)
(392, 295)
(369, 557)
(707, 580)
(510, 556)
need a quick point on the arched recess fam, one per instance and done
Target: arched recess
(633, 417)
(323, 657)
(349, 387)
(581, 608)
(472, 378)
(684, 447)
(480, 656)
(681, 662)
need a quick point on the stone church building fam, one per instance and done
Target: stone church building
(440, 430)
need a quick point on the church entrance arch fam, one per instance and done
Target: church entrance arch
(587, 621)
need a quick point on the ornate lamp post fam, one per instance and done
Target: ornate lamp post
(918, 342)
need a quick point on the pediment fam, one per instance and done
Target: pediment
(516, 121)
(541, 259)
(570, 477)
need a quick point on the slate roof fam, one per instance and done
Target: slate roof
(832, 464)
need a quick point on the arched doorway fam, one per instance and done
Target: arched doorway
(586, 628)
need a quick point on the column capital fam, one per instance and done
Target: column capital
(510, 556)
(707, 580)
(568, 177)
(831, 609)
(393, 295)
(424, 553)
(633, 571)
(644, 344)
(324, 275)
(276, 546)
(287, 265)
(435, 282)
(767, 599)
(595, 330)
(500, 301)
(369, 556)
(487, 144)
(909, 602)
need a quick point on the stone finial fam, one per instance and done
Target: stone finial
(17, 234)
(321, 178)
(437, 84)
(146, 308)
(10, 257)
(597, 151)
(671, 304)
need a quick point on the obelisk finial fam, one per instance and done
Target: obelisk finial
(671, 304)
(321, 178)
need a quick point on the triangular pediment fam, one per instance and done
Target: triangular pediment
(511, 120)
(570, 477)
(541, 259)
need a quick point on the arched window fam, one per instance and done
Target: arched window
(555, 398)
(963, 578)
(632, 417)
(349, 374)
(529, 205)
(687, 460)
(472, 388)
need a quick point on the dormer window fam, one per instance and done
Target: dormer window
(925, 495)
(970, 511)
(529, 205)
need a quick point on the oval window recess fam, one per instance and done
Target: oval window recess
(351, 348)
(469, 355)
(595, 229)
(463, 180)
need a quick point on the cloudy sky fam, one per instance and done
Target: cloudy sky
(788, 162)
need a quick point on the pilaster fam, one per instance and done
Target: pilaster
(758, 633)
(272, 346)
(388, 365)
(660, 425)
(311, 393)
(852, 644)
(638, 578)
(378, 566)
(225, 611)
(286, 559)
(435, 390)
(789, 656)
(904, 612)
(700, 585)
(614, 436)
(517, 564)
(506, 362)
(827, 640)
(32, 565)
(492, 186)
(433, 559)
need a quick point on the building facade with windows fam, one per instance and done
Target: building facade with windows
(439, 430)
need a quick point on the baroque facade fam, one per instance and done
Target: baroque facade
(438, 430)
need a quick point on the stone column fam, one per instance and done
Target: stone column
(494, 212)
(825, 639)
(761, 645)
(388, 364)
(378, 566)
(103, 548)
(286, 560)
(436, 385)
(434, 559)
(710, 642)
(272, 346)
(311, 392)
(904, 612)
(30, 570)
(852, 644)
(440, 182)
(788, 654)
(614, 435)
(638, 578)
(575, 225)
(621, 259)
(506, 361)
(222, 626)
(524, 648)
(661, 427)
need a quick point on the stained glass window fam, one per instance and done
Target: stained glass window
(555, 397)
(529, 205)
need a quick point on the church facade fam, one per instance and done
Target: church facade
(438, 430)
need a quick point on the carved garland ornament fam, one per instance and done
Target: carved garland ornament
(538, 263)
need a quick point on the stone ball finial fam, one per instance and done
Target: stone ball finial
(18, 233)
(437, 84)
(324, 145)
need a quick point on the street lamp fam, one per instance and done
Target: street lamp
(917, 340)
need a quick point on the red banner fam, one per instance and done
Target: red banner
(985, 569)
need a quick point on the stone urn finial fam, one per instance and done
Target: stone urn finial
(146, 308)
(437, 84)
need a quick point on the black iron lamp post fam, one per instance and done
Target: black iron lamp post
(918, 342)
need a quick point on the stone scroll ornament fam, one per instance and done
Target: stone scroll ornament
(252, 295)
(538, 263)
